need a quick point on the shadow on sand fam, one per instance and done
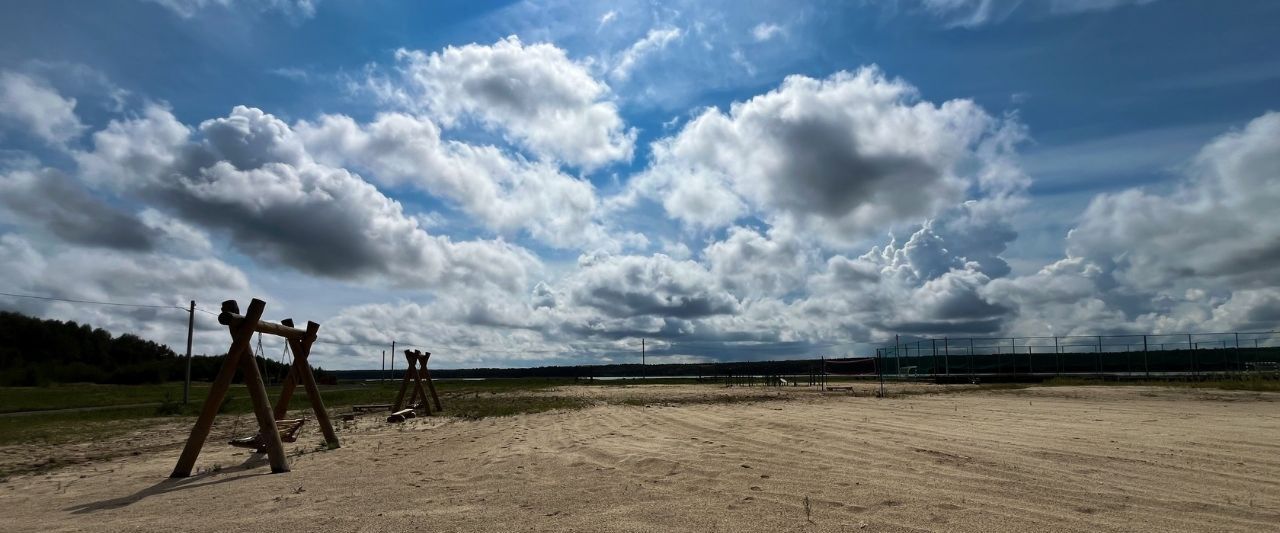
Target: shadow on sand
(203, 479)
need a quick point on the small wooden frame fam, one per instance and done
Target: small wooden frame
(419, 396)
(242, 329)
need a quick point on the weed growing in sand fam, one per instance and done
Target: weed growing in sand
(168, 406)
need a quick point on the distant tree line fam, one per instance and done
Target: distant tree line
(34, 352)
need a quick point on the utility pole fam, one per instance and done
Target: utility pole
(384, 360)
(191, 326)
(393, 360)
(642, 369)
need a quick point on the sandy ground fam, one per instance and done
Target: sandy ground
(1081, 459)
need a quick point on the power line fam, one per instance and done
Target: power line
(205, 311)
(354, 344)
(72, 300)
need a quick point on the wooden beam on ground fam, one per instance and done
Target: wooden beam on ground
(401, 415)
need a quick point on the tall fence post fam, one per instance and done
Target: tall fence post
(1057, 356)
(1239, 366)
(970, 356)
(1146, 366)
(1099, 355)
(933, 359)
(1191, 350)
(946, 355)
(1013, 354)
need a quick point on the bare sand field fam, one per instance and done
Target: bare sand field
(702, 458)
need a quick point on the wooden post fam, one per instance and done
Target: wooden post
(404, 383)
(301, 350)
(262, 410)
(290, 379)
(431, 385)
(218, 390)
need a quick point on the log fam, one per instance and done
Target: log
(431, 384)
(263, 411)
(227, 318)
(401, 415)
(301, 350)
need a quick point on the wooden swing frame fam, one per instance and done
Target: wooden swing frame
(242, 329)
(417, 359)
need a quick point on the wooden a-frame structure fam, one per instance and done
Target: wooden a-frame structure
(417, 359)
(242, 329)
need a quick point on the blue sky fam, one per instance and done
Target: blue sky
(518, 183)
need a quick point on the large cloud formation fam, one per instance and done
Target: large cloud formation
(842, 157)
(249, 175)
(534, 94)
(503, 192)
(1201, 256)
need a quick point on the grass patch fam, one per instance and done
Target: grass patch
(76, 426)
(79, 395)
(699, 400)
(1245, 383)
(955, 389)
(107, 410)
(476, 405)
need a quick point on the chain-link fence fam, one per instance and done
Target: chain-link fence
(1158, 355)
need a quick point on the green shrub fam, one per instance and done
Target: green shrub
(168, 406)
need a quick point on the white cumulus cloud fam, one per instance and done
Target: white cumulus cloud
(534, 94)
